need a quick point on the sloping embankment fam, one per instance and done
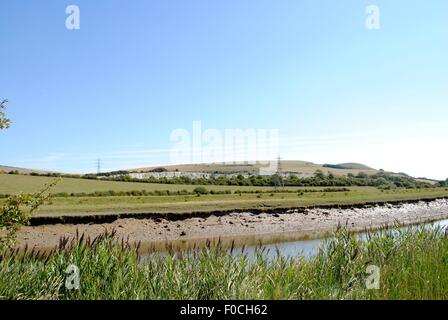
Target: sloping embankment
(95, 218)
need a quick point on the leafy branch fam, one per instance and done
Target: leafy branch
(17, 211)
(4, 122)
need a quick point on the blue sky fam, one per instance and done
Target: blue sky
(137, 70)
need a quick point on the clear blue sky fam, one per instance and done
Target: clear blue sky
(136, 70)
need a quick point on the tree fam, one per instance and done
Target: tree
(277, 180)
(4, 122)
(318, 174)
(362, 175)
(17, 209)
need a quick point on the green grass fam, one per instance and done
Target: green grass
(10, 184)
(413, 264)
(190, 203)
(187, 204)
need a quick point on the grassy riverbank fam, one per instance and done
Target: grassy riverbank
(228, 197)
(413, 265)
(225, 202)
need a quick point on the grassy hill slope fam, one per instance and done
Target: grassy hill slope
(12, 183)
(294, 166)
(21, 170)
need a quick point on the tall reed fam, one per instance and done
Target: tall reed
(413, 264)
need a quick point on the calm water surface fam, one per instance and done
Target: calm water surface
(308, 248)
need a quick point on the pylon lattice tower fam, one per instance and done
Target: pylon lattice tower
(98, 166)
(279, 181)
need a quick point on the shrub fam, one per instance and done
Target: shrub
(200, 190)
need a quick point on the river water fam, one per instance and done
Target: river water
(308, 248)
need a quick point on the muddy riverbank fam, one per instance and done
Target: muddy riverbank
(242, 227)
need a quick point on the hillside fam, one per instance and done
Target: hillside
(302, 168)
(7, 169)
(349, 165)
(293, 166)
(15, 183)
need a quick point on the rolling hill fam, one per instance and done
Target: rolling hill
(7, 169)
(349, 165)
(301, 168)
(292, 166)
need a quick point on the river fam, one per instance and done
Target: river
(308, 248)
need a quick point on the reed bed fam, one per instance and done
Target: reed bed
(413, 264)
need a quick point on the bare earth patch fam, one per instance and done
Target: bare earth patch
(243, 228)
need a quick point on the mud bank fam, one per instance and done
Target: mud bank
(112, 217)
(247, 228)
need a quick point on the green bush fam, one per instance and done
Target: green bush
(200, 190)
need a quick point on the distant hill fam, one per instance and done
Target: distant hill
(7, 169)
(301, 168)
(304, 168)
(349, 165)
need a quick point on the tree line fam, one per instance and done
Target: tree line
(380, 180)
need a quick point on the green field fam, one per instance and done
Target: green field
(10, 184)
